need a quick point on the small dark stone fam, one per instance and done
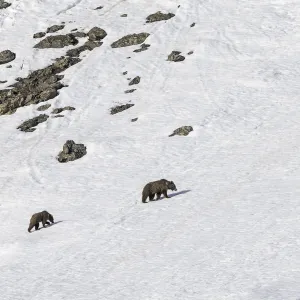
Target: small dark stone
(43, 107)
(79, 34)
(124, 73)
(99, 7)
(129, 91)
(9, 66)
(59, 110)
(184, 130)
(143, 47)
(159, 16)
(96, 34)
(124, 15)
(75, 29)
(193, 24)
(4, 4)
(135, 80)
(71, 152)
(27, 125)
(130, 40)
(39, 35)
(120, 108)
(58, 116)
(55, 28)
(178, 6)
(191, 52)
(175, 56)
(6, 56)
(134, 120)
(128, 57)
(3, 81)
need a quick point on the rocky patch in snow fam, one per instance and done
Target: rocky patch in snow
(71, 151)
(55, 28)
(184, 130)
(130, 40)
(28, 125)
(57, 41)
(4, 4)
(143, 47)
(159, 16)
(59, 110)
(6, 56)
(43, 107)
(135, 80)
(175, 56)
(120, 108)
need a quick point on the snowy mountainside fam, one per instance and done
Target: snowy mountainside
(231, 230)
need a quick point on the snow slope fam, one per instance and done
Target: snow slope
(232, 229)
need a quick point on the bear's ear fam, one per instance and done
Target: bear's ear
(172, 182)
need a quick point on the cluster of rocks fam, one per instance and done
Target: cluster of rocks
(130, 40)
(41, 85)
(175, 56)
(143, 47)
(120, 108)
(4, 4)
(57, 41)
(6, 56)
(71, 151)
(159, 16)
(28, 125)
(184, 130)
(51, 29)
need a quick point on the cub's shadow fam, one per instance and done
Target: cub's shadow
(47, 226)
(172, 195)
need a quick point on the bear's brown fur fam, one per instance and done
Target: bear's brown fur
(43, 217)
(157, 187)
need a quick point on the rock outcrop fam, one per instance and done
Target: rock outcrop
(6, 56)
(184, 130)
(130, 40)
(159, 16)
(175, 56)
(57, 41)
(120, 108)
(71, 151)
(28, 125)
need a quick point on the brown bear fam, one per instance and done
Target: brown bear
(157, 187)
(43, 217)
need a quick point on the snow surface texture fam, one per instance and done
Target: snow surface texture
(232, 230)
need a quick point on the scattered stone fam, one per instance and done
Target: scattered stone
(4, 4)
(128, 57)
(58, 116)
(96, 34)
(175, 56)
(4, 81)
(39, 35)
(41, 85)
(27, 125)
(55, 28)
(6, 56)
(129, 91)
(59, 110)
(89, 45)
(128, 78)
(159, 16)
(43, 107)
(142, 48)
(9, 66)
(124, 15)
(135, 80)
(71, 151)
(79, 34)
(184, 130)
(75, 29)
(99, 7)
(57, 41)
(134, 120)
(178, 6)
(130, 40)
(193, 24)
(124, 73)
(120, 108)
(191, 52)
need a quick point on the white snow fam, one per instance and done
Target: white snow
(232, 230)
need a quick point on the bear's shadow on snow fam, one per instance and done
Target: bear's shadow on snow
(172, 195)
(47, 226)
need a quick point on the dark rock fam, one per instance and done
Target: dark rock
(159, 16)
(75, 29)
(41, 85)
(43, 107)
(124, 73)
(124, 15)
(191, 52)
(130, 40)
(184, 130)
(79, 34)
(193, 24)
(129, 91)
(58, 116)
(178, 6)
(3, 81)
(9, 66)
(128, 78)
(89, 45)
(4, 4)
(55, 28)
(57, 41)
(99, 7)
(120, 108)
(96, 34)
(39, 35)
(59, 110)
(135, 80)
(27, 125)
(134, 120)
(142, 48)
(71, 151)
(128, 57)
(175, 56)
(6, 56)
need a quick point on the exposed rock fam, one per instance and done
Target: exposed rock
(9, 66)
(120, 108)
(130, 40)
(55, 28)
(27, 125)
(71, 151)
(79, 34)
(135, 80)
(39, 35)
(134, 120)
(99, 7)
(89, 45)
(58, 116)
(124, 15)
(128, 78)
(142, 48)
(193, 24)
(75, 29)
(3, 81)
(96, 34)
(41, 85)
(4, 4)
(6, 56)
(184, 130)
(191, 52)
(59, 110)
(43, 107)
(159, 16)
(57, 41)
(124, 73)
(175, 56)
(129, 91)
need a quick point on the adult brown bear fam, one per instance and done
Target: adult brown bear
(43, 217)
